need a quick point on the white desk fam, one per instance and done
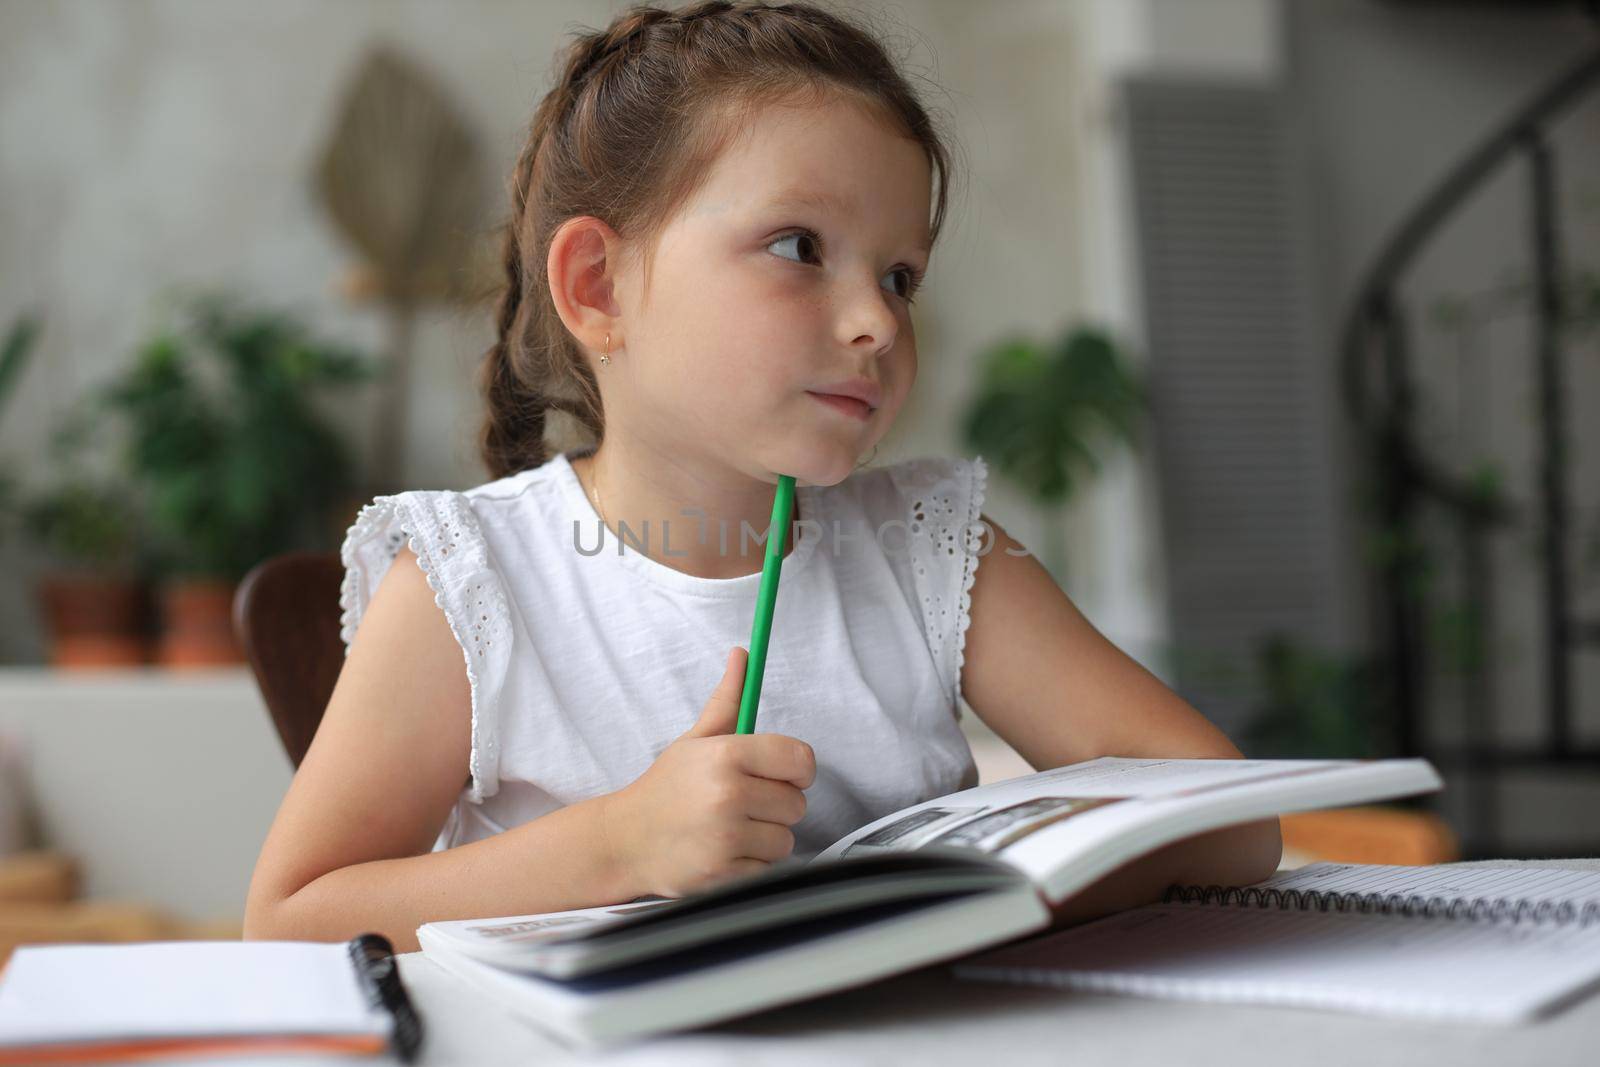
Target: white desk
(927, 1018)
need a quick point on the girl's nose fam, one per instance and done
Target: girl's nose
(868, 319)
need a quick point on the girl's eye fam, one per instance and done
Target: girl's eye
(805, 238)
(913, 283)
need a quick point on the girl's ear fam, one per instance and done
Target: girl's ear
(582, 270)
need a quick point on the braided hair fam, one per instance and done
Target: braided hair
(638, 113)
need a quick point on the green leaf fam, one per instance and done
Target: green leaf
(1045, 417)
(15, 352)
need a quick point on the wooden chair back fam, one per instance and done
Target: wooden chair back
(286, 614)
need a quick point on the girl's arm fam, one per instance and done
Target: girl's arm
(1051, 685)
(349, 850)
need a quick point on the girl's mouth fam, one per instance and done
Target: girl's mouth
(845, 405)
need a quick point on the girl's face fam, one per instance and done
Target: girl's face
(785, 274)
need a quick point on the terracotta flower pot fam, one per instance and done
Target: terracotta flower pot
(197, 624)
(95, 620)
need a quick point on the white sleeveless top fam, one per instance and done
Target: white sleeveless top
(585, 662)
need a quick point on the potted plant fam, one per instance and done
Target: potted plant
(91, 598)
(233, 459)
(94, 602)
(1044, 411)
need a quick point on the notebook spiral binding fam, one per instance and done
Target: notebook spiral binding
(1562, 912)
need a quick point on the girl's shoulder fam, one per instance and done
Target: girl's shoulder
(924, 514)
(450, 532)
(445, 522)
(443, 527)
(931, 494)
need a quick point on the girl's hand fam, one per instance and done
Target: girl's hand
(714, 805)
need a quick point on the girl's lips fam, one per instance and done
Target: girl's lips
(847, 405)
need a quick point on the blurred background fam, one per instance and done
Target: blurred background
(1276, 321)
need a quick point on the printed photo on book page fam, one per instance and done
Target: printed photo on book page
(1085, 802)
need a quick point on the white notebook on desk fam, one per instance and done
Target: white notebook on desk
(1490, 945)
(109, 1003)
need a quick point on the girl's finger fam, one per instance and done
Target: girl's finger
(773, 801)
(768, 841)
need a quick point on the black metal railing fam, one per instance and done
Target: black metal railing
(1383, 397)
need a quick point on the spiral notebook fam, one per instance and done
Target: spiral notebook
(1490, 945)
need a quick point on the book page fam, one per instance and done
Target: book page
(993, 817)
(1066, 826)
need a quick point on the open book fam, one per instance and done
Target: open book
(927, 883)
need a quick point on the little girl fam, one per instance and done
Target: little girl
(720, 219)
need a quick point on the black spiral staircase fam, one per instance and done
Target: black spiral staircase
(1383, 395)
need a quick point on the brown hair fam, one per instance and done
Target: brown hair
(639, 112)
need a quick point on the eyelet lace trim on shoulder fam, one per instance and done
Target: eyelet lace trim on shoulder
(442, 531)
(945, 529)
(972, 543)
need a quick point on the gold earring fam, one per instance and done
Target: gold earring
(605, 357)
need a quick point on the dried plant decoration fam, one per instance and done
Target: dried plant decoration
(401, 176)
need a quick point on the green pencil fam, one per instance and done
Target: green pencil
(766, 600)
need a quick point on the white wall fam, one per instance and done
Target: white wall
(162, 786)
(146, 145)
(154, 142)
